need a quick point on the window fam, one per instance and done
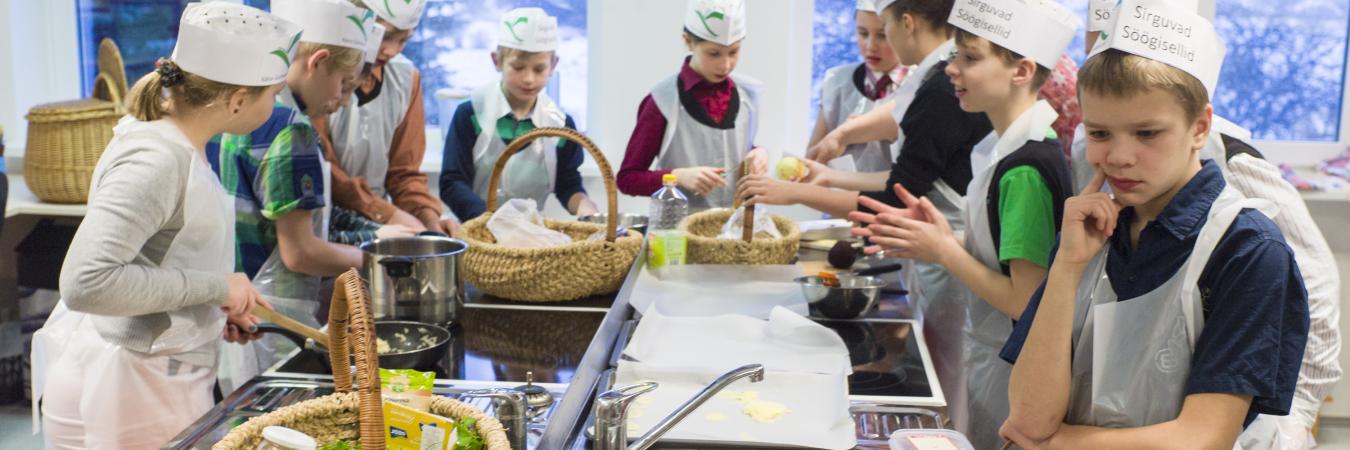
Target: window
(453, 48)
(1284, 73)
(835, 43)
(144, 31)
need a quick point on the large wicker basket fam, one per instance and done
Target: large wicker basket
(65, 139)
(348, 415)
(705, 248)
(580, 269)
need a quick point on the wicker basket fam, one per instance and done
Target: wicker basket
(350, 415)
(580, 269)
(705, 248)
(65, 139)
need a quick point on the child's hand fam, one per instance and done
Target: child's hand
(700, 180)
(1089, 219)
(817, 173)
(758, 160)
(394, 231)
(912, 210)
(241, 296)
(829, 147)
(241, 329)
(926, 240)
(766, 190)
(402, 217)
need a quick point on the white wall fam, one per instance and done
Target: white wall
(39, 61)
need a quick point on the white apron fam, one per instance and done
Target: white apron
(107, 396)
(1131, 359)
(840, 99)
(986, 328)
(689, 143)
(293, 294)
(363, 134)
(533, 171)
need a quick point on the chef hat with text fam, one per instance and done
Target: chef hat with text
(235, 44)
(1163, 31)
(528, 29)
(374, 35)
(1100, 11)
(1036, 29)
(402, 14)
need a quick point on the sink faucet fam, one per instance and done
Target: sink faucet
(611, 409)
(510, 408)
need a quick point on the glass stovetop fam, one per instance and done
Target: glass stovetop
(494, 343)
(886, 358)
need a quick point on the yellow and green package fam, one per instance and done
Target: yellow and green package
(406, 387)
(410, 429)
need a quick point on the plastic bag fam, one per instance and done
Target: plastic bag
(764, 226)
(518, 224)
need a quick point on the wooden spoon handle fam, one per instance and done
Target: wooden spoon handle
(291, 324)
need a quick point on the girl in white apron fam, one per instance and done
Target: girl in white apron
(280, 179)
(853, 89)
(699, 124)
(499, 112)
(1174, 313)
(128, 358)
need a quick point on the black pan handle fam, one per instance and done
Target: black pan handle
(433, 234)
(878, 270)
(293, 336)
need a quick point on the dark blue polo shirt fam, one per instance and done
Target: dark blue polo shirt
(1255, 306)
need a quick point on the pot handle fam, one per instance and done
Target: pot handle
(397, 266)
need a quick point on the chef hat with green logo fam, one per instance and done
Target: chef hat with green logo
(528, 29)
(720, 21)
(330, 22)
(374, 35)
(1036, 29)
(867, 6)
(402, 14)
(235, 44)
(1167, 32)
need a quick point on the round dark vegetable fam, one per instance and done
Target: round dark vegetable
(842, 255)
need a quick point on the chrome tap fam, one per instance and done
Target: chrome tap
(611, 409)
(510, 408)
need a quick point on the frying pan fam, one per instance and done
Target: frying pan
(395, 332)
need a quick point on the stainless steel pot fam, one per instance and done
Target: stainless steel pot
(415, 278)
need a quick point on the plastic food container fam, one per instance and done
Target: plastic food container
(929, 439)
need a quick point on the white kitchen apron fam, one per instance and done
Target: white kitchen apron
(1132, 358)
(986, 328)
(101, 395)
(363, 134)
(690, 143)
(532, 172)
(841, 99)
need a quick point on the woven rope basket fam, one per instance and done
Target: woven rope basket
(348, 415)
(580, 269)
(66, 139)
(704, 247)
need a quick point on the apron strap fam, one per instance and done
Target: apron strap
(1229, 204)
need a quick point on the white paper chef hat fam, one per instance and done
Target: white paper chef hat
(374, 35)
(720, 21)
(402, 14)
(235, 44)
(332, 22)
(867, 5)
(1161, 31)
(883, 4)
(1037, 29)
(1100, 11)
(528, 29)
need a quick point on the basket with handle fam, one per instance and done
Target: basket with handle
(353, 415)
(704, 247)
(66, 139)
(580, 269)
